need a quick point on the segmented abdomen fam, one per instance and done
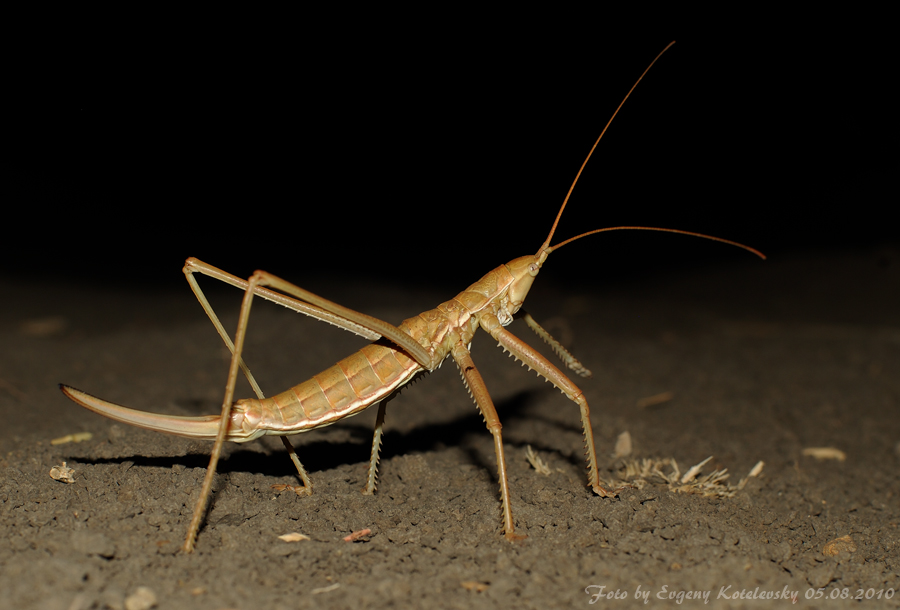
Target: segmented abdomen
(358, 381)
(350, 386)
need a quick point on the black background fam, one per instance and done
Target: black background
(308, 148)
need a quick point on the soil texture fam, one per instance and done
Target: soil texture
(763, 361)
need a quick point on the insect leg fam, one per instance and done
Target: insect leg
(225, 421)
(475, 384)
(534, 360)
(307, 489)
(189, 269)
(372, 479)
(193, 265)
(564, 355)
(323, 309)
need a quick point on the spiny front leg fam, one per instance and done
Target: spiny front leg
(571, 361)
(475, 384)
(534, 360)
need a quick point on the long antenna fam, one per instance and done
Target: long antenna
(549, 249)
(578, 175)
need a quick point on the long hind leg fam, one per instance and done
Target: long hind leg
(305, 302)
(190, 267)
(225, 421)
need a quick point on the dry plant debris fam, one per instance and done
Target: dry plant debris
(638, 473)
(623, 445)
(293, 537)
(536, 462)
(143, 598)
(72, 438)
(63, 473)
(319, 590)
(357, 535)
(825, 453)
(838, 546)
(656, 399)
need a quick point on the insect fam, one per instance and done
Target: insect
(375, 373)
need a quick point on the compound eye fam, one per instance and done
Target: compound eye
(533, 269)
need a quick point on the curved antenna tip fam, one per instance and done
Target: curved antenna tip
(661, 230)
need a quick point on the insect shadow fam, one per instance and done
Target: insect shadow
(320, 455)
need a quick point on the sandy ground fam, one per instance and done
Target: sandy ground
(763, 360)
